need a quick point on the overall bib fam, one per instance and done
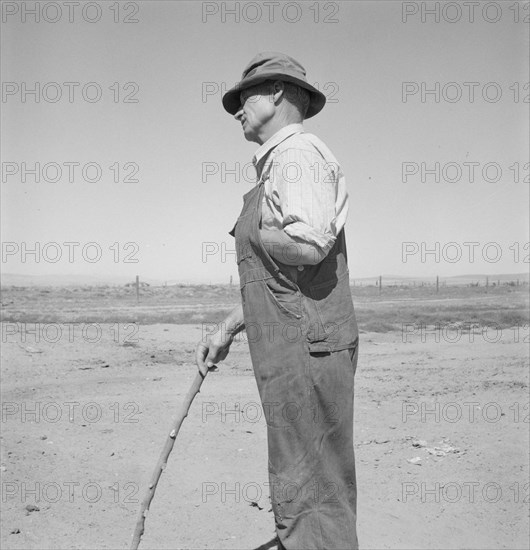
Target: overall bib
(303, 338)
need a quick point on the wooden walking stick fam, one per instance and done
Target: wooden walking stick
(162, 461)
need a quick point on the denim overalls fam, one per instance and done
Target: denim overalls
(303, 338)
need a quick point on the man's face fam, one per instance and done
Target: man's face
(256, 110)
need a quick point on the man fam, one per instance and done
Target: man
(296, 307)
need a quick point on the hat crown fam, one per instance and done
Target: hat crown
(267, 62)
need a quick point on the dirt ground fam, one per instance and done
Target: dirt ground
(441, 440)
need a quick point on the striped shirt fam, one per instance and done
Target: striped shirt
(305, 189)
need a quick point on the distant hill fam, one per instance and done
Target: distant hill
(454, 280)
(14, 279)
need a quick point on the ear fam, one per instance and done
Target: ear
(277, 90)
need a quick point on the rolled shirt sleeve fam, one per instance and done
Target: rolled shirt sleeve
(306, 188)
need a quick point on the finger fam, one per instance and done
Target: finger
(211, 363)
(200, 354)
(210, 360)
(214, 356)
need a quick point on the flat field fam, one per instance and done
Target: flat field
(91, 380)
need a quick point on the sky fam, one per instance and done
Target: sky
(142, 171)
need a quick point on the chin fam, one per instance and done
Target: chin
(250, 137)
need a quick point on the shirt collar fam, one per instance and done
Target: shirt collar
(274, 140)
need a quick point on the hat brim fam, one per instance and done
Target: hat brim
(231, 101)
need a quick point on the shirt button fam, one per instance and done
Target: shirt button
(300, 268)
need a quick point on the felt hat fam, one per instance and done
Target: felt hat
(273, 66)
